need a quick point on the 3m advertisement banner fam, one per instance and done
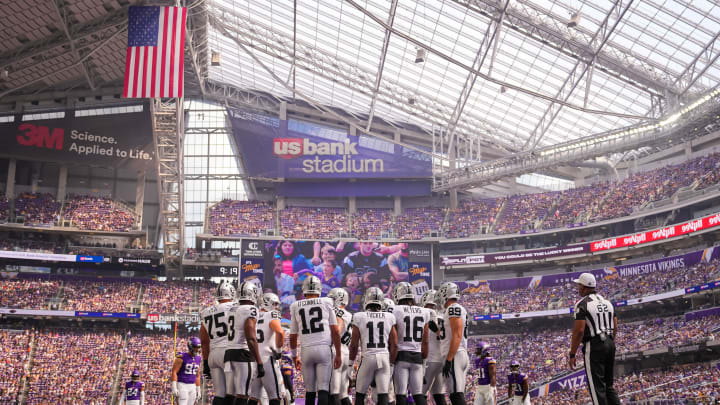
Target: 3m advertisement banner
(274, 148)
(516, 256)
(354, 266)
(117, 140)
(671, 231)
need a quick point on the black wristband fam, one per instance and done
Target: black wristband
(572, 355)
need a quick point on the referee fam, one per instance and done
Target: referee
(595, 326)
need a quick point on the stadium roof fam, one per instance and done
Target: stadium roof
(510, 72)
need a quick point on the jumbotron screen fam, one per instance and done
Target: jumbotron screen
(281, 266)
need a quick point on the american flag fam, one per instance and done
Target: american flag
(156, 42)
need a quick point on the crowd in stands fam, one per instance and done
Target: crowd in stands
(14, 350)
(92, 295)
(369, 223)
(71, 366)
(26, 293)
(98, 214)
(30, 245)
(37, 208)
(472, 216)
(417, 223)
(167, 297)
(316, 223)
(612, 287)
(241, 218)
(4, 209)
(521, 212)
(573, 205)
(152, 355)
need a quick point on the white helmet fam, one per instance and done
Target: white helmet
(339, 296)
(373, 296)
(428, 298)
(248, 291)
(225, 291)
(403, 291)
(388, 304)
(269, 302)
(312, 285)
(447, 291)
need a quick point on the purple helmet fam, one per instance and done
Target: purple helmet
(194, 344)
(135, 375)
(514, 366)
(482, 349)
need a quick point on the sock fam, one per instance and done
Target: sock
(419, 399)
(383, 399)
(335, 399)
(399, 399)
(274, 402)
(218, 401)
(439, 399)
(230, 400)
(457, 398)
(323, 398)
(309, 398)
(346, 401)
(241, 401)
(252, 402)
(359, 399)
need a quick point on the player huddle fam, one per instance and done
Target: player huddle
(403, 349)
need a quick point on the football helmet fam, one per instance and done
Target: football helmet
(135, 375)
(515, 367)
(403, 291)
(428, 298)
(225, 291)
(269, 302)
(447, 291)
(374, 296)
(482, 349)
(194, 346)
(248, 291)
(387, 304)
(339, 296)
(312, 285)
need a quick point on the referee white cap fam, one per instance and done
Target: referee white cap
(586, 279)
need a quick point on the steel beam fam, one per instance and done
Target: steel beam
(689, 75)
(62, 13)
(575, 77)
(381, 64)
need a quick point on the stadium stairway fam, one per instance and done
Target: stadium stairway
(117, 378)
(497, 216)
(28, 365)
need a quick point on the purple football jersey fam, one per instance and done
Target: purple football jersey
(188, 370)
(516, 381)
(484, 366)
(132, 390)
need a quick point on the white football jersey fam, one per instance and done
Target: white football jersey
(265, 335)
(215, 320)
(410, 322)
(453, 311)
(238, 315)
(346, 334)
(435, 353)
(311, 319)
(374, 330)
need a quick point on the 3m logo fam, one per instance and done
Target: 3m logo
(40, 136)
(287, 148)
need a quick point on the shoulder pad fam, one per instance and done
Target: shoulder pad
(179, 355)
(274, 314)
(339, 312)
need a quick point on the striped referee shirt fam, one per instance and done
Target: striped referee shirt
(598, 314)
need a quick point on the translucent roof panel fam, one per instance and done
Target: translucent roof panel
(332, 52)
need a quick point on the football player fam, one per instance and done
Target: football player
(288, 373)
(185, 379)
(374, 332)
(410, 322)
(485, 393)
(214, 339)
(270, 337)
(134, 393)
(454, 341)
(243, 354)
(434, 380)
(341, 376)
(314, 323)
(518, 384)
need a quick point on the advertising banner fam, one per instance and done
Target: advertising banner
(572, 382)
(186, 318)
(10, 254)
(516, 256)
(671, 231)
(136, 260)
(276, 148)
(116, 140)
(107, 314)
(284, 265)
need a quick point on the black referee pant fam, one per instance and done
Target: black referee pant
(599, 363)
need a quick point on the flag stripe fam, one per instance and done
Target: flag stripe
(154, 64)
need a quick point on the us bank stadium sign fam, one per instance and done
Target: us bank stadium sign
(185, 318)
